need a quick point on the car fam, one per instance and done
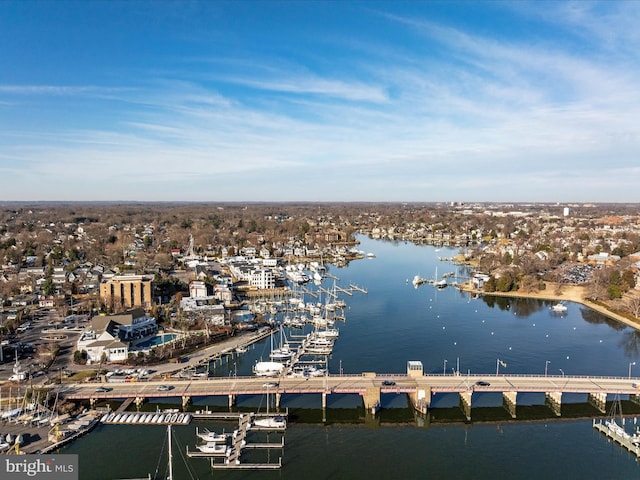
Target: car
(482, 383)
(635, 385)
(164, 388)
(271, 384)
(388, 383)
(102, 389)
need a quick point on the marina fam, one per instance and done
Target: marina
(225, 450)
(445, 330)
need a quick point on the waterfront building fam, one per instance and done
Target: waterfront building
(110, 337)
(126, 291)
(262, 279)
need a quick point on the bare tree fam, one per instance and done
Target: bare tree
(633, 304)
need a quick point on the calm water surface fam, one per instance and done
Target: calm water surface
(445, 329)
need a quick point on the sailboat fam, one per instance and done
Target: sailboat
(612, 428)
(284, 352)
(272, 368)
(170, 463)
(275, 422)
(442, 283)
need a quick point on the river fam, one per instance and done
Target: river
(447, 331)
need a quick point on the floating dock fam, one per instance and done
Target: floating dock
(231, 457)
(623, 440)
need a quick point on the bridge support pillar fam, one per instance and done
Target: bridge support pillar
(465, 403)
(554, 401)
(232, 400)
(371, 399)
(278, 397)
(421, 399)
(599, 400)
(139, 401)
(635, 398)
(185, 401)
(324, 407)
(509, 402)
(92, 401)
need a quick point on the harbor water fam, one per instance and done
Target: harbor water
(449, 332)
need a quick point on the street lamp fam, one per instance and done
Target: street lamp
(546, 367)
(561, 371)
(444, 369)
(630, 365)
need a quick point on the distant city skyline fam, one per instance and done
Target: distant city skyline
(416, 101)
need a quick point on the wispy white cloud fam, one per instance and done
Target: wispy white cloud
(484, 118)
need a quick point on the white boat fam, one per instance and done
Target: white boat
(559, 308)
(268, 369)
(418, 280)
(284, 352)
(328, 333)
(211, 437)
(277, 422)
(213, 448)
(442, 283)
(270, 422)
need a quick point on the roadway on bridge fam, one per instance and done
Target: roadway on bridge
(356, 384)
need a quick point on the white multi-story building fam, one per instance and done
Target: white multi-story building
(262, 279)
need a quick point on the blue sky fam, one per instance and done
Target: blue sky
(320, 101)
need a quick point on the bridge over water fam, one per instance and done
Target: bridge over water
(370, 386)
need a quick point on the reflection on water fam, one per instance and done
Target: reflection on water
(395, 323)
(630, 343)
(591, 316)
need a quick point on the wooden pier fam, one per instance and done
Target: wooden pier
(231, 457)
(624, 441)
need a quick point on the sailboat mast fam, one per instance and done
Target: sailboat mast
(170, 477)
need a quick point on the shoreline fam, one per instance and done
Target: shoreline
(568, 293)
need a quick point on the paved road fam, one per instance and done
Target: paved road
(357, 384)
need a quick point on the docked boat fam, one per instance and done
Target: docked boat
(442, 283)
(268, 369)
(213, 448)
(284, 352)
(277, 422)
(211, 437)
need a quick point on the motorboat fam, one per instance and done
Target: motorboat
(213, 448)
(211, 437)
(559, 308)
